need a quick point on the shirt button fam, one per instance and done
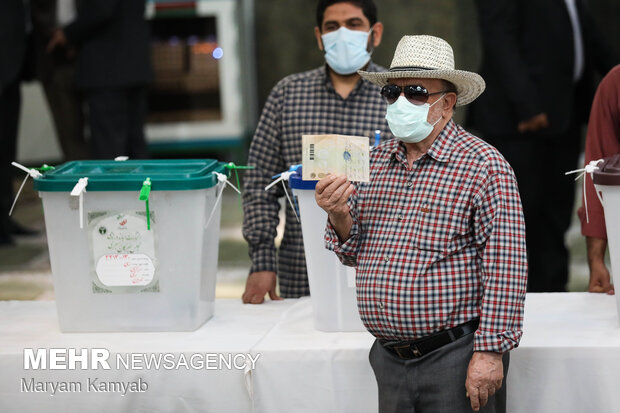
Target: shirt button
(380, 305)
(410, 184)
(386, 258)
(401, 216)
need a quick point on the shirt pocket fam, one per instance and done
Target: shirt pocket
(440, 227)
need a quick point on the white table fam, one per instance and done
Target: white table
(568, 361)
(235, 328)
(305, 370)
(569, 357)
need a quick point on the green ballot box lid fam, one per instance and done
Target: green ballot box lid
(165, 175)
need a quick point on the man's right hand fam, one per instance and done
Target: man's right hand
(331, 194)
(257, 285)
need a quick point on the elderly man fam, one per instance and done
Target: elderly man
(438, 239)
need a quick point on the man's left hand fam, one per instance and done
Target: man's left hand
(484, 377)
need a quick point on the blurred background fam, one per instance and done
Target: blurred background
(214, 64)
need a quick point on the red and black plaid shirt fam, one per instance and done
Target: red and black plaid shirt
(440, 243)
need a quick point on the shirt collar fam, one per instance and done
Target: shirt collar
(440, 150)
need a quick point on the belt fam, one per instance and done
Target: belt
(417, 348)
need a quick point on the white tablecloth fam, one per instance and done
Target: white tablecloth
(569, 357)
(305, 370)
(568, 361)
(234, 328)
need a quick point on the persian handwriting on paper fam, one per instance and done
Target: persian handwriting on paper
(123, 252)
(324, 155)
(116, 270)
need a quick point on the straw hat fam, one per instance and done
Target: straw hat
(429, 57)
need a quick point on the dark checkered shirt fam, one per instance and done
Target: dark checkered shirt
(439, 244)
(303, 103)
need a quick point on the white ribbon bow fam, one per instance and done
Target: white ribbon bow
(29, 172)
(78, 190)
(589, 169)
(222, 180)
(284, 176)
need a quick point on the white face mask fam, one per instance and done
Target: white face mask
(346, 50)
(408, 122)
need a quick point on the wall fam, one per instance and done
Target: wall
(285, 44)
(285, 40)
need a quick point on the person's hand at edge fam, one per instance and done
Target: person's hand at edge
(600, 280)
(534, 123)
(58, 39)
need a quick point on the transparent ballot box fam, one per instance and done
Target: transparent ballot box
(332, 284)
(133, 245)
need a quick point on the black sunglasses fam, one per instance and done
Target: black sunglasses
(416, 94)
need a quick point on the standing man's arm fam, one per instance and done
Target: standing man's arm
(43, 14)
(599, 51)
(602, 140)
(499, 232)
(260, 207)
(599, 274)
(499, 31)
(92, 16)
(12, 43)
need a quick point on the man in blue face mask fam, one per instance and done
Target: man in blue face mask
(347, 37)
(438, 241)
(332, 99)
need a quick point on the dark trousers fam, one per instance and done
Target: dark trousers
(116, 119)
(548, 196)
(10, 105)
(434, 383)
(65, 104)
